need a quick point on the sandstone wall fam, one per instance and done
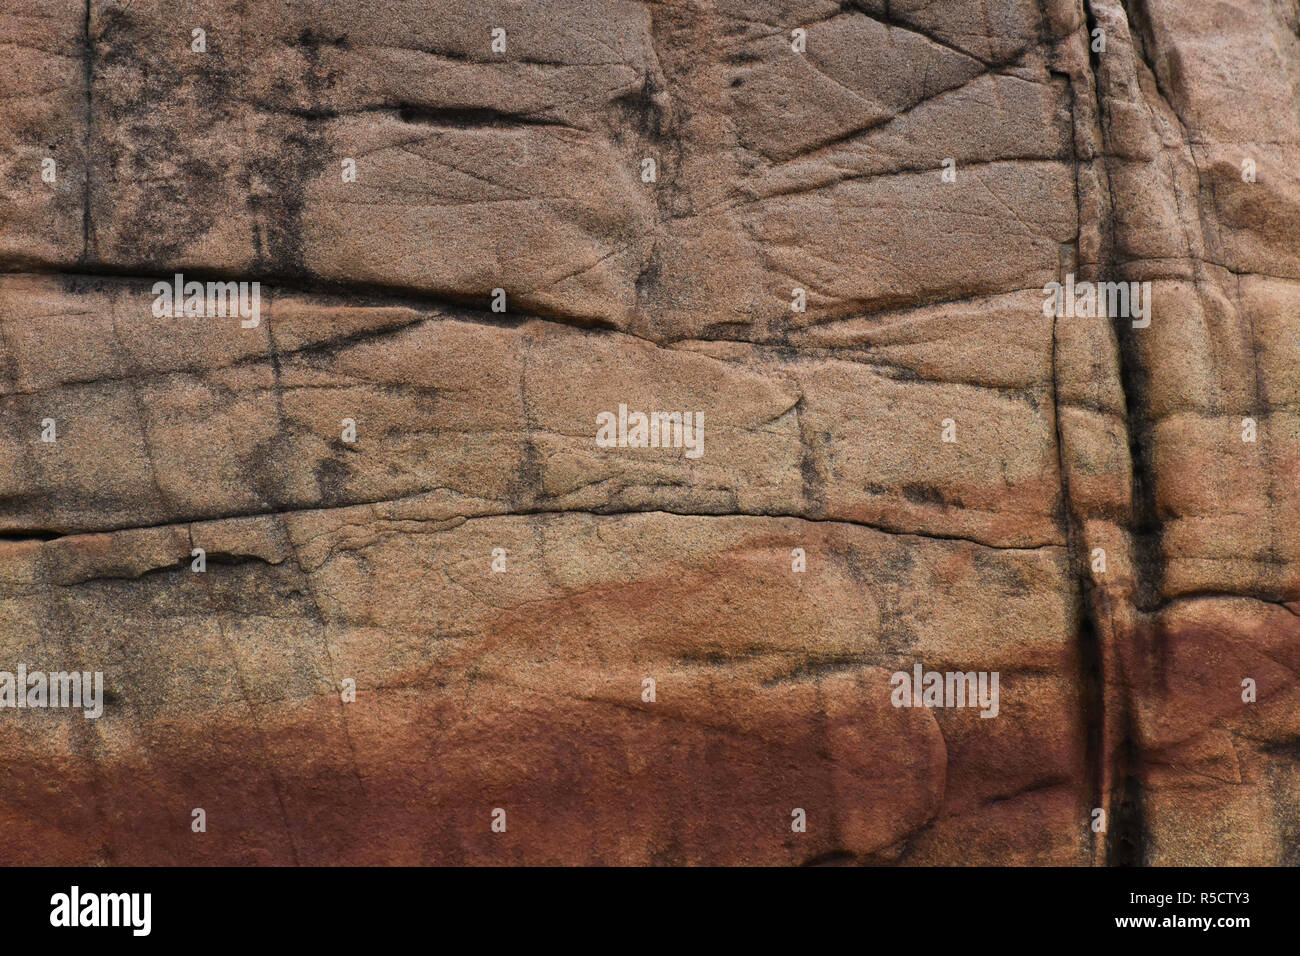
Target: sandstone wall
(1152, 141)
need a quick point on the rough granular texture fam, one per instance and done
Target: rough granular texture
(839, 260)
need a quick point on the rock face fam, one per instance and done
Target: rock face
(825, 230)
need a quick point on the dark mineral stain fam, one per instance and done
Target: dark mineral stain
(139, 132)
(644, 108)
(331, 480)
(919, 493)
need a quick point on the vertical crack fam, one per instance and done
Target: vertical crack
(88, 80)
(1127, 830)
(1091, 661)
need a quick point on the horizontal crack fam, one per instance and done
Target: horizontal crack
(1227, 596)
(533, 513)
(376, 293)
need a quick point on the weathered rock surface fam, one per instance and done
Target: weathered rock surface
(373, 561)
